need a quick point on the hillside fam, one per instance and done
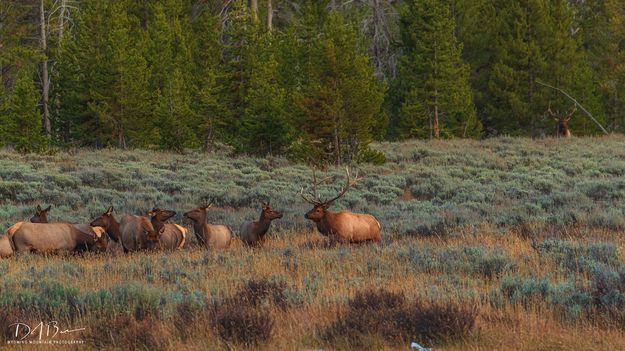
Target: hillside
(507, 244)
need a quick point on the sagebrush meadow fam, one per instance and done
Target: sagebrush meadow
(498, 244)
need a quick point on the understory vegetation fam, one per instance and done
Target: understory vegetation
(482, 242)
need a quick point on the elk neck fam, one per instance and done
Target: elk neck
(158, 225)
(198, 226)
(324, 225)
(113, 230)
(264, 223)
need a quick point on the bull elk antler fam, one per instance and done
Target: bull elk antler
(559, 117)
(315, 200)
(350, 182)
(570, 112)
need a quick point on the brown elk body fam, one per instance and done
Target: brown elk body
(6, 249)
(212, 236)
(40, 216)
(62, 239)
(343, 226)
(172, 236)
(562, 121)
(58, 238)
(253, 232)
(135, 233)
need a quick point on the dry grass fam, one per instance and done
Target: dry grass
(316, 283)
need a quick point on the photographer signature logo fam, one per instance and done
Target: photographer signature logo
(41, 333)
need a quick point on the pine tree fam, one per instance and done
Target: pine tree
(206, 100)
(529, 41)
(171, 62)
(433, 79)
(267, 130)
(22, 124)
(343, 98)
(602, 26)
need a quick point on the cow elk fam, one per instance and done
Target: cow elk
(172, 236)
(343, 226)
(41, 215)
(562, 121)
(212, 236)
(253, 232)
(135, 233)
(58, 238)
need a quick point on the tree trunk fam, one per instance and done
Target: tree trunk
(45, 92)
(337, 144)
(269, 16)
(121, 136)
(254, 8)
(437, 131)
(57, 97)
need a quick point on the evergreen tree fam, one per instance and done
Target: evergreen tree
(22, 122)
(343, 98)
(525, 42)
(267, 130)
(602, 27)
(433, 84)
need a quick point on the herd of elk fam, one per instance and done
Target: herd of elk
(562, 121)
(151, 232)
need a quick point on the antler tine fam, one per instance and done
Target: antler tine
(571, 111)
(350, 182)
(315, 192)
(549, 110)
(312, 202)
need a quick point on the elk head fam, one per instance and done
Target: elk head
(268, 212)
(161, 215)
(320, 207)
(41, 215)
(562, 120)
(101, 239)
(104, 220)
(199, 214)
(108, 222)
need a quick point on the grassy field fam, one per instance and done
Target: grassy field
(504, 244)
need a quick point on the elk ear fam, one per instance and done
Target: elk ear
(38, 208)
(325, 206)
(109, 211)
(48, 209)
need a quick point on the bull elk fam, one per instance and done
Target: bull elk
(562, 121)
(213, 236)
(135, 233)
(172, 236)
(253, 232)
(343, 226)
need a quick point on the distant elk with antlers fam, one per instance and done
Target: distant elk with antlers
(562, 126)
(343, 226)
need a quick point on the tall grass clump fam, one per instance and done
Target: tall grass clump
(389, 316)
